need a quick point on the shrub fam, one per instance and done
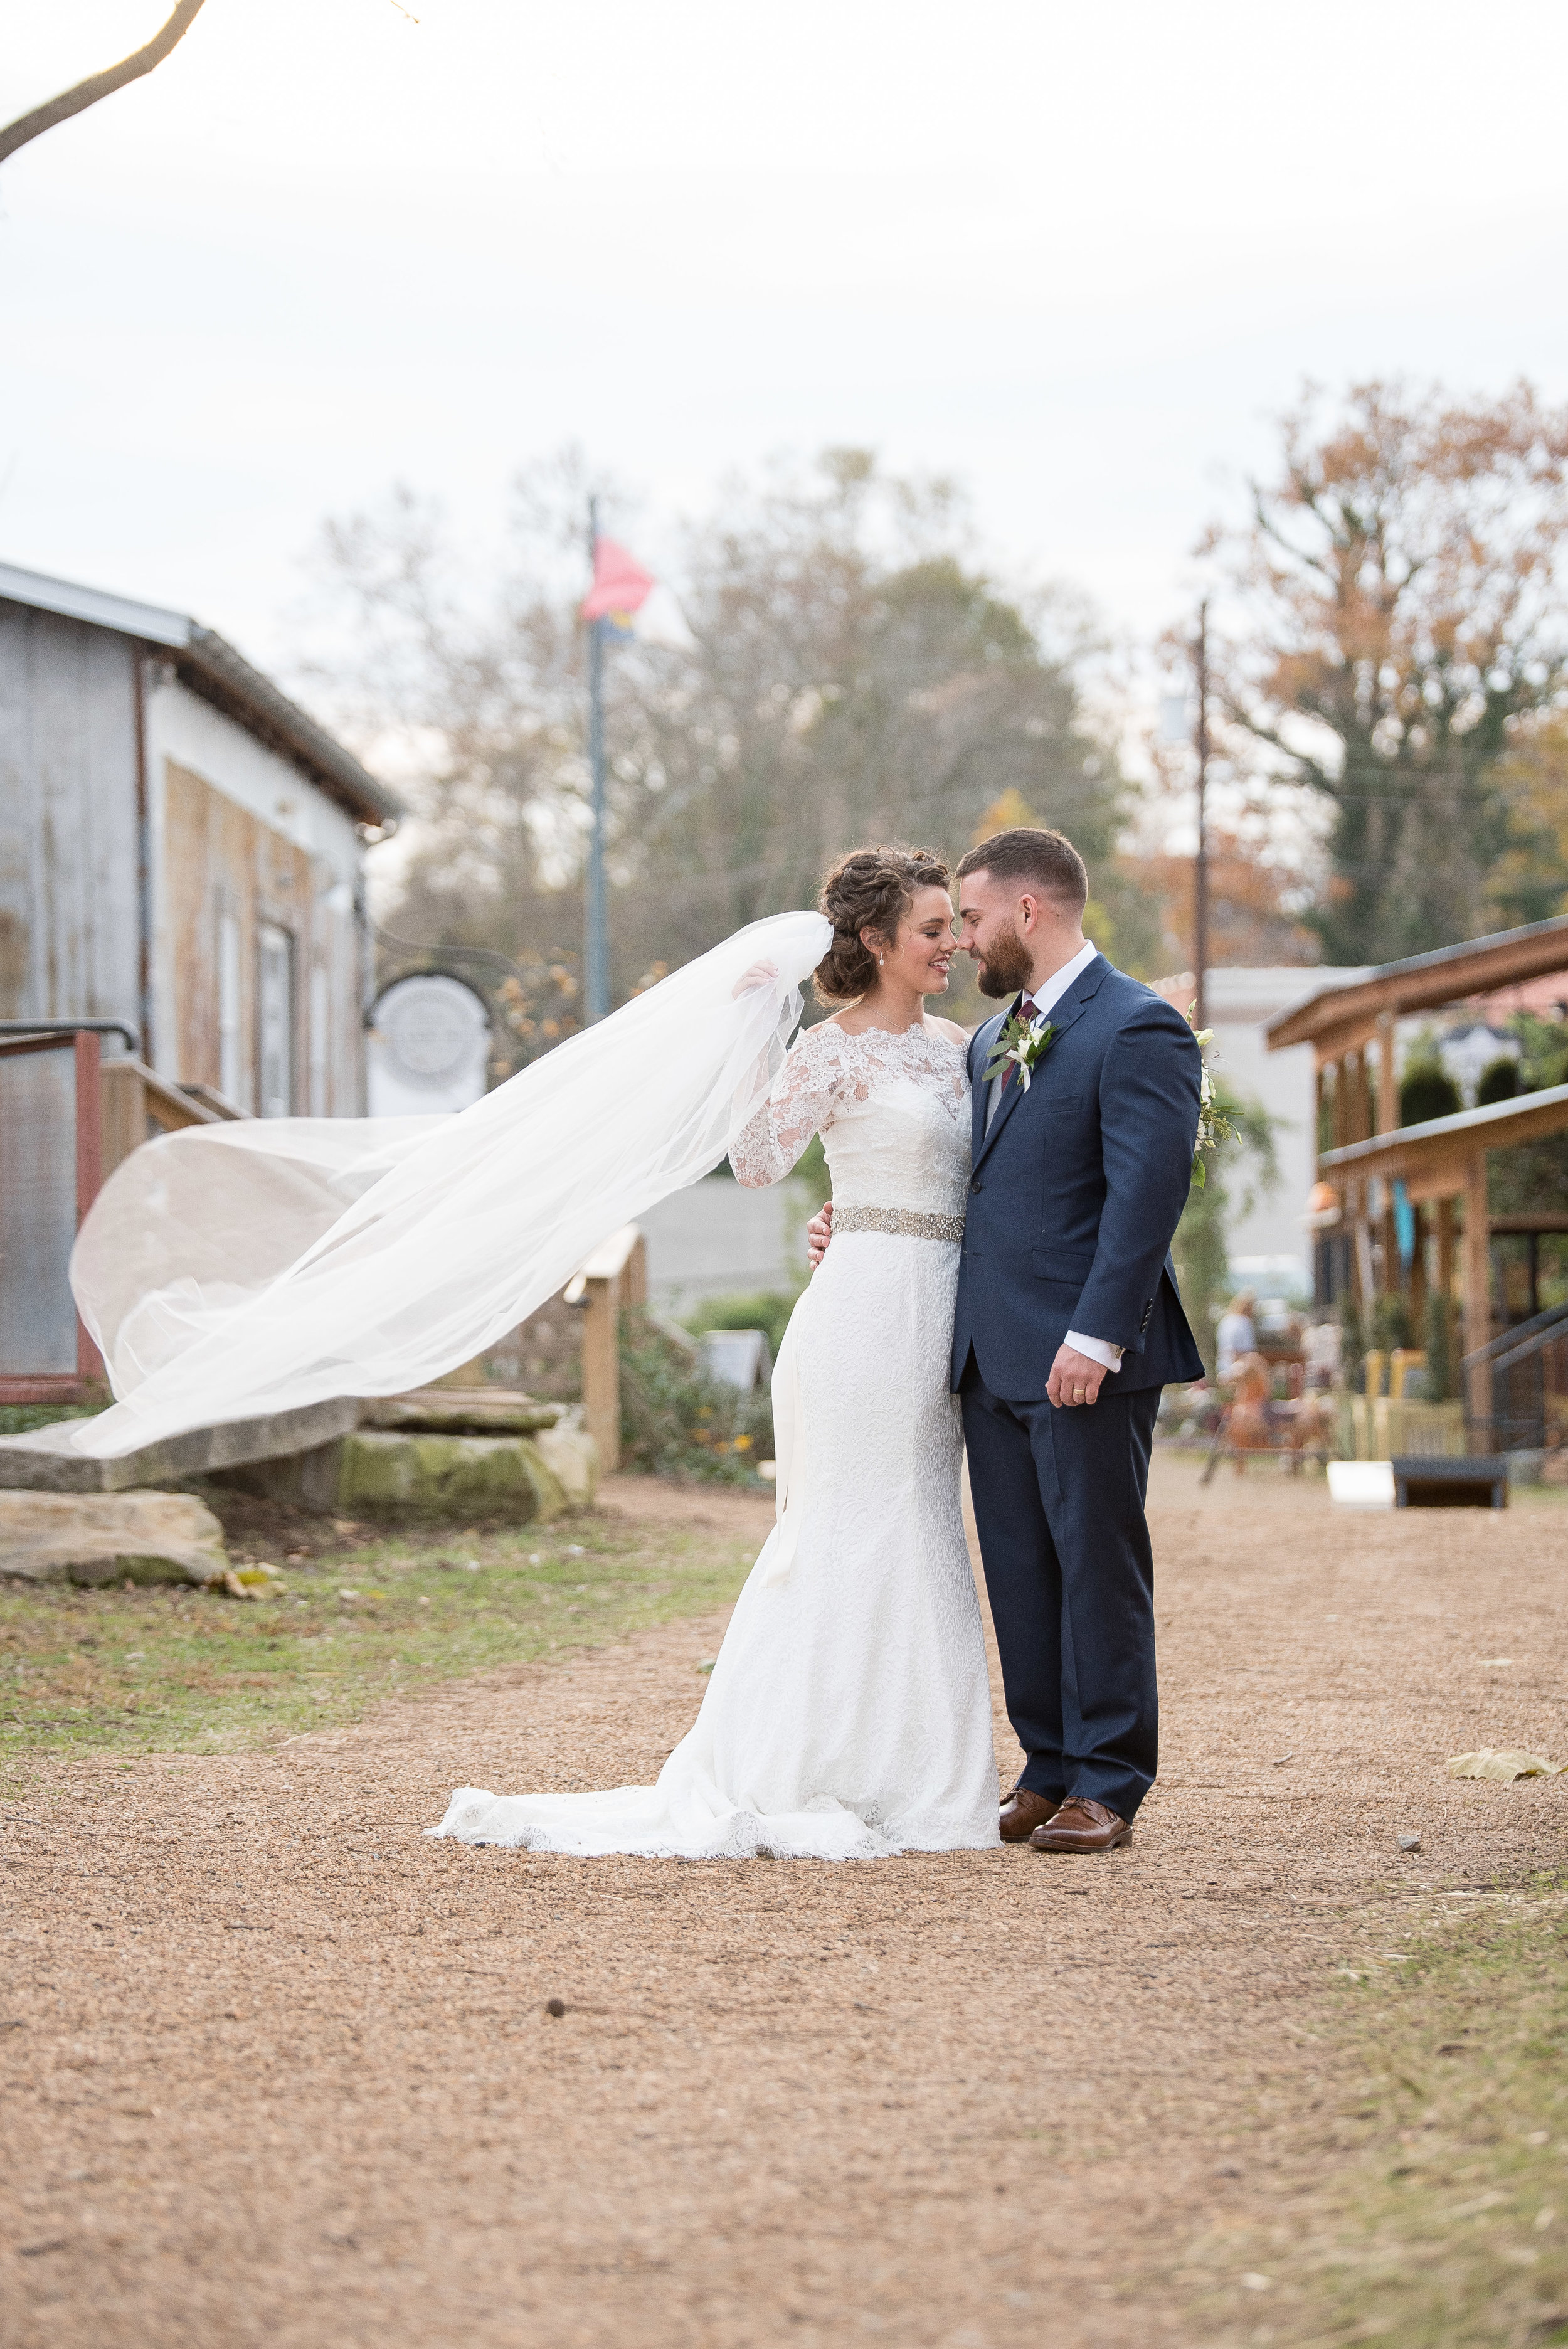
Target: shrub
(677, 1421)
(1442, 1353)
(1389, 1323)
(1427, 1090)
(770, 1311)
(1501, 1080)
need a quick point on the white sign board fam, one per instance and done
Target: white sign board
(428, 1047)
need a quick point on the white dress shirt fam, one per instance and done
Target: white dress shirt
(1045, 997)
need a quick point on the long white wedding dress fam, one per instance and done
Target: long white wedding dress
(849, 1713)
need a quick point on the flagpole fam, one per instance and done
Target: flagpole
(596, 939)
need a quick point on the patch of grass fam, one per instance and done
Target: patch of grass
(1439, 2218)
(172, 1667)
(21, 1418)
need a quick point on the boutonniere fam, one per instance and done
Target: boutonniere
(1019, 1046)
(1213, 1125)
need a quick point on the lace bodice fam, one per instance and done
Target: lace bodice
(892, 1113)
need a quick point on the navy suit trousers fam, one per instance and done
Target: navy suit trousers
(1058, 1501)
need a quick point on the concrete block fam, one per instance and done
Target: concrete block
(46, 1461)
(98, 1537)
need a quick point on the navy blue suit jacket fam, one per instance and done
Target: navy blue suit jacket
(1076, 1191)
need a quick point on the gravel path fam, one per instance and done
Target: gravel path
(278, 2070)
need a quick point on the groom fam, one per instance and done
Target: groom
(1069, 1323)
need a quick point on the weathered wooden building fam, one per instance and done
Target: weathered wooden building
(181, 848)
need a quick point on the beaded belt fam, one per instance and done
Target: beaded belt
(904, 1223)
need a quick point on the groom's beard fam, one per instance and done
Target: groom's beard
(1006, 968)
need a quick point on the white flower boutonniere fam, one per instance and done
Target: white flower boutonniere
(1019, 1046)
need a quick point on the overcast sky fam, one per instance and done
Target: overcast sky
(1077, 255)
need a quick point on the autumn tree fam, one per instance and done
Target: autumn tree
(853, 673)
(1402, 630)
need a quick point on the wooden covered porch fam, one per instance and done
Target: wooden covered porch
(1374, 1172)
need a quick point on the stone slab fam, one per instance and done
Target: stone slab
(461, 1410)
(45, 1459)
(491, 1476)
(106, 1537)
(573, 1456)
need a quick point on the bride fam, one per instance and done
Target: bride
(235, 1272)
(849, 1712)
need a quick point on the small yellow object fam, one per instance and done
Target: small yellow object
(1506, 1765)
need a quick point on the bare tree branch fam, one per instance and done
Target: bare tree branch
(103, 85)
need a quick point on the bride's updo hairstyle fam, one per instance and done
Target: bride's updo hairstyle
(869, 889)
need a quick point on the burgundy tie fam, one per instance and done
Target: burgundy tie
(1027, 1013)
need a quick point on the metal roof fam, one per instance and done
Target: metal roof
(1341, 1016)
(209, 666)
(1494, 1125)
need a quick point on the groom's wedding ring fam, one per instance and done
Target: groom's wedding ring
(903, 1223)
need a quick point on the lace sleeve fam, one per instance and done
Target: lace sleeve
(799, 1106)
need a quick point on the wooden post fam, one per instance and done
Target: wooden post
(1478, 1287)
(1387, 1086)
(616, 1274)
(1446, 1247)
(89, 1167)
(1388, 1234)
(1418, 1278)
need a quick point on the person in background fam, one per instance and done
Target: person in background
(1236, 1335)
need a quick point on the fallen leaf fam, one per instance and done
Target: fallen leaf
(1512, 1764)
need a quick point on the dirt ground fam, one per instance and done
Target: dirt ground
(276, 2069)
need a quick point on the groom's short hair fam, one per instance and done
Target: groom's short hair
(1031, 856)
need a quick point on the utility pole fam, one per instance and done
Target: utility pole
(595, 931)
(1201, 863)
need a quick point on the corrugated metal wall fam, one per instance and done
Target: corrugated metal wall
(69, 928)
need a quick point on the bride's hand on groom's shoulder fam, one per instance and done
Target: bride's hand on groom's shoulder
(761, 974)
(819, 1232)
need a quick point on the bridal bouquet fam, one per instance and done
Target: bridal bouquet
(1213, 1125)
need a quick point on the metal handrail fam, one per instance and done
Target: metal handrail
(126, 1028)
(1508, 1340)
(1536, 1345)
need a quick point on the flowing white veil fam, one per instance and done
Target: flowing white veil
(230, 1271)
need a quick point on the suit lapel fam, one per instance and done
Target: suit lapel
(1062, 1014)
(979, 1054)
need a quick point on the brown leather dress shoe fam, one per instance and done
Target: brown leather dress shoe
(1023, 1812)
(1082, 1825)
